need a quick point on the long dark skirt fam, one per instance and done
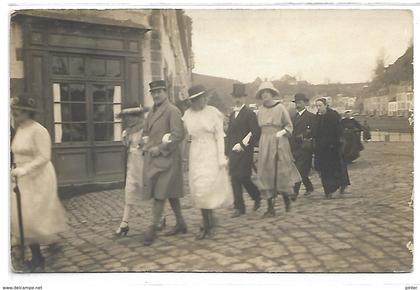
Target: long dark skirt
(352, 146)
(333, 170)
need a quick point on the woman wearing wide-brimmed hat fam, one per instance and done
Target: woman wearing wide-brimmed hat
(43, 214)
(209, 181)
(276, 126)
(132, 139)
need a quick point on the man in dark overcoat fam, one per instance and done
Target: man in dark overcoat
(242, 135)
(163, 178)
(301, 143)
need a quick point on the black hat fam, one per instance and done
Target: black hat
(196, 91)
(300, 97)
(24, 102)
(239, 90)
(157, 85)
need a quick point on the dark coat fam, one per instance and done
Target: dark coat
(301, 141)
(327, 133)
(240, 163)
(163, 176)
(351, 138)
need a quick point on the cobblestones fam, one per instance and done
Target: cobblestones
(365, 231)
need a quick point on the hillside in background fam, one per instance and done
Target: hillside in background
(400, 71)
(221, 89)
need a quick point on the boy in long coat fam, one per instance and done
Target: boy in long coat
(243, 134)
(301, 143)
(163, 178)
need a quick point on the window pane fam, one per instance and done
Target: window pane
(60, 65)
(65, 113)
(64, 92)
(77, 92)
(102, 93)
(78, 112)
(113, 68)
(104, 132)
(77, 66)
(103, 112)
(79, 132)
(98, 67)
(73, 132)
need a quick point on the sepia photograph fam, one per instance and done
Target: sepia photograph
(169, 140)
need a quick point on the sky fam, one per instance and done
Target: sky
(319, 46)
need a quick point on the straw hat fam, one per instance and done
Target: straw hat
(196, 91)
(133, 111)
(267, 86)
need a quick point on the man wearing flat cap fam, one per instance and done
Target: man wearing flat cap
(301, 143)
(242, 135)
(164, 132)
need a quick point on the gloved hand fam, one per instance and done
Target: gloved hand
(18, 172)
(166, 139)
(237, 148)
(281, 133)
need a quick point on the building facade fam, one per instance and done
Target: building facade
(84, 66)
(398, 101)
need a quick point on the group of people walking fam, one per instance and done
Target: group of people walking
(220, 163)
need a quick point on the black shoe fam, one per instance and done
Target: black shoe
(269, 213)
(37, 264)
(122, 231)
(149, 237)
(204, 233)
(237, 213)
(177, 230)
(257, 204)
(308, 192)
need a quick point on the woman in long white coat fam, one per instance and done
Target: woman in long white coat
(43, 214)
(209, 181)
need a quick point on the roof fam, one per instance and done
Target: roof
(77, 15)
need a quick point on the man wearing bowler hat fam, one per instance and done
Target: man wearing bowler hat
(242, 135)
(164, 132)
(301, 143)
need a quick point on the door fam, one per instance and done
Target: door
(87, 134)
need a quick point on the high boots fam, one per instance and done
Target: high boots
(286, 200)
(208, 223)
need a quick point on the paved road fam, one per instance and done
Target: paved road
(365, 231)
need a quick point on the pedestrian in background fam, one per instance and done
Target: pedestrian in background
(133, 118)
(352, 143)
(301, 143)
(163, 178)
(209, 182)
(276, 127)
(366, 131)
(243, 133)
(329, 162)
(43, 214)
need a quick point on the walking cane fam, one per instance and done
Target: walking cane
(20, 219)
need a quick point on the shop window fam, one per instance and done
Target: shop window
(106, 67)
(68, 65)
(70, 122)
(106, 104)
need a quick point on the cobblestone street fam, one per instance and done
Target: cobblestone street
(365, 231)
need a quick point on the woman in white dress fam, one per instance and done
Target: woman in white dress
(209, 182)
(43, 214)
(132, 139)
